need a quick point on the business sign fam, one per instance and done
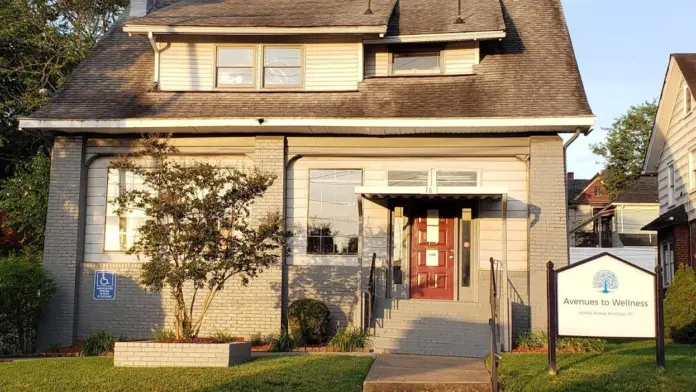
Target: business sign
(605, 296)
(104, 285)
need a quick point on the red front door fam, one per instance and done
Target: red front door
(432, 254)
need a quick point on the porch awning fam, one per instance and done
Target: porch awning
(675, 216)
(424, 192)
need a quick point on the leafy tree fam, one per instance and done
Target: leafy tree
(625, 146)
(24, 198)
(198, 234)
(680, 306)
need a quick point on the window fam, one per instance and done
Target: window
(667, 256)
(121, 230)
(457, 178)
(282, 67)
(407, 178)
(670, 184)
(692, 169)
(416, 63)
(598, 191)
(235, 67)
(688, 100)
(332, 224)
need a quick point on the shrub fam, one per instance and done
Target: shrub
(97, 343)
(161, 334)
(283, 342)
(538, 340)
(308, 319)
(349, 339)
(24, 290)
(680, 306)
(226, 337)
(257, 339)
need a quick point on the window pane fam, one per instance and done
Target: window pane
(457, 178)
(407, 178)
(235, 77)
(415, 62)
(282, 57)
(235, 57)
(281, 76)
(332, 227)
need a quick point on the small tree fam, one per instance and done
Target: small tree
(198, 233)
(680, 306)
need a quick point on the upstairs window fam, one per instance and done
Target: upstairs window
(235, 67)
(688, 100)
(282, 67)
(416, 62)
(670, 184)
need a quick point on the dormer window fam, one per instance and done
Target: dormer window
(421, 62)
(282, 67)
(235, 67)
(688, 100)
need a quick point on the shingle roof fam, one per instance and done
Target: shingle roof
(687, 65)
(530, 73)
(643, 191)
(269, 13)
(413, 17)
(576, 186)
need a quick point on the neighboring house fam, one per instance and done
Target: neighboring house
(586, 198)
(671, 155)
(420, 135)
(622, 223)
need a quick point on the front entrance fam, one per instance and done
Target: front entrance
(432, 253)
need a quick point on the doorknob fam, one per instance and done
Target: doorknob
(451, 256)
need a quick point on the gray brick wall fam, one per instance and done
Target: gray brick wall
(547, 215)
(335, 286)
(64, 233)
(518, 286)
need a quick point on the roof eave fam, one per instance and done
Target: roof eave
(446, 37)
(253, 30)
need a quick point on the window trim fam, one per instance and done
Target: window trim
(688, 100)
(692, 169)
(667, 268)
(441, 56)
(254, 68)
(262, 67)
(122, 174)
(306, 231)
(671, 185)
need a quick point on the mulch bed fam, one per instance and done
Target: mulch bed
(197, 340)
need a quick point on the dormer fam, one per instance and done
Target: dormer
(312, 45)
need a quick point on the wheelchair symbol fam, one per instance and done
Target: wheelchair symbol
(103, 280)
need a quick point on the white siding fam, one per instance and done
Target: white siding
(96, 207)
(331, 66)
(507, 172)
(630, 219)
(457, 58)
(187, 66)
(644, 257)
(681, 137)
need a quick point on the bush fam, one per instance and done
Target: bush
(308, 320)
(161, 334)
(24, 290)
(283, 342)
(534, 341)
(226, 337)
(98, 342)
(349, 339)
(258, 340)
(680, 307)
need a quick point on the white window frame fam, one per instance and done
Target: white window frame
(122, 220)
(688, 100)
(692, 169)
(254, 68)
(262, 67)
(441, 58)
(667, 259)
(671, 184)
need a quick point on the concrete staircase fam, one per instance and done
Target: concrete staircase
(428, 327)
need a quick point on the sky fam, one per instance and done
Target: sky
(623, 49)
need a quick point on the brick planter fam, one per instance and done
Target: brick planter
(151, 354)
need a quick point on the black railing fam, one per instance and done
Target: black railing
(370, 298)
(589, 239)
(492, 323)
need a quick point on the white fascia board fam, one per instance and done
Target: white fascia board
(522, 123)
(212, 30)
(398, 39)
(422, 190)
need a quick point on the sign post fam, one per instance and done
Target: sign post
(659, 320)
(604, 297)
(552, 331)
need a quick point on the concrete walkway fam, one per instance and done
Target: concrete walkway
(410, 373)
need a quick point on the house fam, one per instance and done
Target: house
(586, 198)
(424, 132)
(671, 155)
(622, 221)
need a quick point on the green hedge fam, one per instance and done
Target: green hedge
(680, 307)
(308, 320)
(24, 290)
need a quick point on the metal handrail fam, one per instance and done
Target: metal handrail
(371, 293)
(492, 323)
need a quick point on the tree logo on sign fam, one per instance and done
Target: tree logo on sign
(606, 281)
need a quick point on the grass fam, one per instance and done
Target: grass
(628, 367)
(289, 373)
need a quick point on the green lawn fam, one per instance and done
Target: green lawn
(297, 373)
(628, 367)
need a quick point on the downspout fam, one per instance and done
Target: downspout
(155, 47)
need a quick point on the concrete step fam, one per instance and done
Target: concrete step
(442, 346)
(391, 373)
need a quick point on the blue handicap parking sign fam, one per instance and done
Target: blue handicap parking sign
(104, 285)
